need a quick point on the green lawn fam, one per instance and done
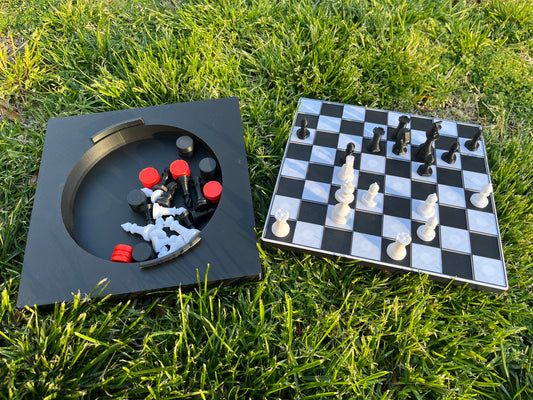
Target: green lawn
(312, 328)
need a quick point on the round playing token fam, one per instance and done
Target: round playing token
(149, 177)
(122, 253)
(142, 252)
(212, 191)
(137, 199)
(207, 167)
(185, 145)
(179, 168)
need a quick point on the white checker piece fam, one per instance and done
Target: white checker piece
(393, 225)
(416, 177)
(323, 155)
(393, 119)
(489, 270)
(316, 191)
(426, 258)
(479, 152)
(449, 128)
(310, 106)
(335, 180)
(290, 204)
(344, 139)
(378, 199)
(390, 153)
(354, 113)
(349, 219)
(417, 137)
(454, 239)
(294, 168)
(417, 217)
(369, 129)
(479, 221)
(372, 163)
(329, 124)
(309, 140)
(451, 195)
(309, 235)
(475, 180)
(366, 246)
(441, 163)
(397, 186)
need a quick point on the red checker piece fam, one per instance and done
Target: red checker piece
(122, 253)
(149, 177)
(212, 191)
(179, 168)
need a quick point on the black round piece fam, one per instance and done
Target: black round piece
(185, 145)
(207, 167)
(137, 199)
(142, 252)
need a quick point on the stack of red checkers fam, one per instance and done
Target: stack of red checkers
(179, 168)
(122, 253)
(212, 191)
(149, 177)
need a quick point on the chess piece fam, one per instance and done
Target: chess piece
(165, 198)
(303, 133)
(473, 144)
(181, 173)
(187, 234)
(368, 198)
(402, 138)
(160, 211)
(427, 147)
(147, 231)
(340, 212)
(427, 208)
(450, 157)
(201, 202)
(402, 124)
(345, 193)
(350, 151)
(397, 250)
(480, 200)
(280, 227)
(426, 232)
(346, 172)
(373, 146)
(425, 169)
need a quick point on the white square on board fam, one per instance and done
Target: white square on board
(294, 168)
(426, 258)
(354, 113)
(451, 195)
(442, 163)
(449, 128)
(480, 221)
(366, 246)
(323, 155)
(310, 106)
(372, 163)
(393, 225)
(390, 153)
(290, 204)
(316, 191)
(309, 235)
(369, 129)
(328, 124)
(308, 140)
(397, 186)
(475, 180)
(454, 239)
(344, 139)
(489, 270)
(393, 118)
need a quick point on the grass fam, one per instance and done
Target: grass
(312, 328)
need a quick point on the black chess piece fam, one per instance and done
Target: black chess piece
(201, 202)
(374, 147)
(402, 124)
(427, 147)
(473, 144)
(402, 138)
(183, 181)
(166, 178)
(350, 151)
(450, 157)
(425, 169)
(166, 198)
(303, 133)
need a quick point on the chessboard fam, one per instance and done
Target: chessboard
(466, 248)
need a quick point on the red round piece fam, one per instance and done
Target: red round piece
(122, 253)
(212, 191)
(149, 177)
(179, 168)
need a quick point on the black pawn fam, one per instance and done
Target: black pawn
(350, 151)
(166, 178)
(426, 148)
(450, 157)
(166, 198)
(400, 146)
(425, 169)
(402, 124)
(303, 133)
(473, 144)
(373, 147)
(201, 201)
(183, 181)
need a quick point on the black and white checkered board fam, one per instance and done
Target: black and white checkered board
(467, 247)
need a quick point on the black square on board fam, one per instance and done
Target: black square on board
(352, 127)
(299, 151)
(382, 147)
(398, 168)
(434, 243)
(421, 123)
(450, 177)
(421, 190)
(319, 173)
(332, 110)
(368, 223)
(485, 246)
(489, 208)
(367, 178)
(337, 241)
(313, 213)
(287, 239)
(466, 131)
(451, 216)
(397, 206)
(290, 187)
(326, 139)
(312, 120)
(455, 264)
(445, 142)
(340, 159)
(474, 164)
(376, 116)
(405, 262)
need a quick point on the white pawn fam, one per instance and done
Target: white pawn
(339, 213)
(427, 208)
(187, 234)
(280, 227)
(345, 193)
(346, 172)
(160, 211)
(397, 250)
(426, 232)
(368, 197)
(480, 200)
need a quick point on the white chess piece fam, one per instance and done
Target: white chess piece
(427, 208)
(187, 234)
(347, 172)
(426, 232)
(345, 193)
(397, 250)
(147, 192)
(480, 200)
(280, 227)
(155, 195)
(368, 197)
(160, 211)
(340, 212)
(147, 232)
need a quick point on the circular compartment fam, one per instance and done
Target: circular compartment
(94, 199)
